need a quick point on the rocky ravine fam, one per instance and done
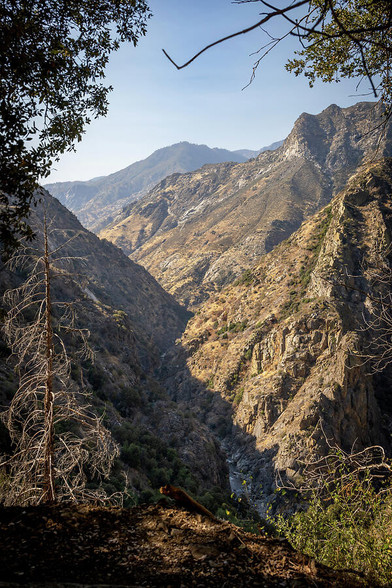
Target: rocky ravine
(132, 323)
(279, 353)
(199, 231)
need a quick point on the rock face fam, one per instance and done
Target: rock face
(97, 200)
(132, 323)
(199, 231)
(277, 362)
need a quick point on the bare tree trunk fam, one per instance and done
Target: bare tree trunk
(49, 487)
(49, 463)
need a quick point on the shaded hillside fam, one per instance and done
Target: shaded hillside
(199, 231)
(285, 346)
(132, 323)
(146, 546)
(97, 199)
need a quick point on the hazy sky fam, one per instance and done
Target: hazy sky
(154, 105)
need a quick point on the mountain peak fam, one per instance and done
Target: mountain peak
(96, 201)
(200, 231)
(337, 135)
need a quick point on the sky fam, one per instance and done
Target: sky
(154, 105)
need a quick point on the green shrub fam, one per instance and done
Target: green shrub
(131, 454)
(348, 526)
(238, 397)
(245, 279)
(248, 354)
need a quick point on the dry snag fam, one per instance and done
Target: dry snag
(58, 442)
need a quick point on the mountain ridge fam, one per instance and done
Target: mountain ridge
(132, 323)
(278, 363)
(249, 153)
(198, 231)
(96, 199)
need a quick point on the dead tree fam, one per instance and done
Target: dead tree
(58, 441)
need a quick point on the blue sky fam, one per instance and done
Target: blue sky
(154, 105)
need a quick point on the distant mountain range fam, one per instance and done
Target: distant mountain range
(248, 153)
(198, 231)
(96, 201)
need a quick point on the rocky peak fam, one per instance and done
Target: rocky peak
(339, 138)
(199, 231)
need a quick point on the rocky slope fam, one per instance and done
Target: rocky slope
(132, 322)
(276, 363)
(96, 201)
(197, 232)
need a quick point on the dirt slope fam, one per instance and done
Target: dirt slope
(145, 546)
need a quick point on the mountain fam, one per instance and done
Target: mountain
(132, 323)
(248, 153)
(97, 199)
(198, 231)
(284, 363)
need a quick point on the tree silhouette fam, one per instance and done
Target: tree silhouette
(54, 55)
(337, 39)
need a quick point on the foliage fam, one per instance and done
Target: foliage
(53, 60)
(339, 39)
(347, 518)
(238, 510)
(347, 39)
(159, 463)
(232, 327)
(350, 529)
(246, 279)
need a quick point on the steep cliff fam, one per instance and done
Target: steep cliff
(199, 231)
(277, 362)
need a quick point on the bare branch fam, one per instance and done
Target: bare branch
(238, 33)
(50, 461)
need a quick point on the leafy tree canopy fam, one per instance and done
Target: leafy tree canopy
(338, 38)
(349, 39)
(54, 54)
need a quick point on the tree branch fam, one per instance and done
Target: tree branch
(278, 12)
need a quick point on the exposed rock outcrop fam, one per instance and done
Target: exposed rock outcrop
(199, 231)
(283, 351)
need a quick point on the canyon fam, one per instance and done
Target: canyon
(244, 348)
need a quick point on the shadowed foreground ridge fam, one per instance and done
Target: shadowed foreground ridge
(145, 546)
